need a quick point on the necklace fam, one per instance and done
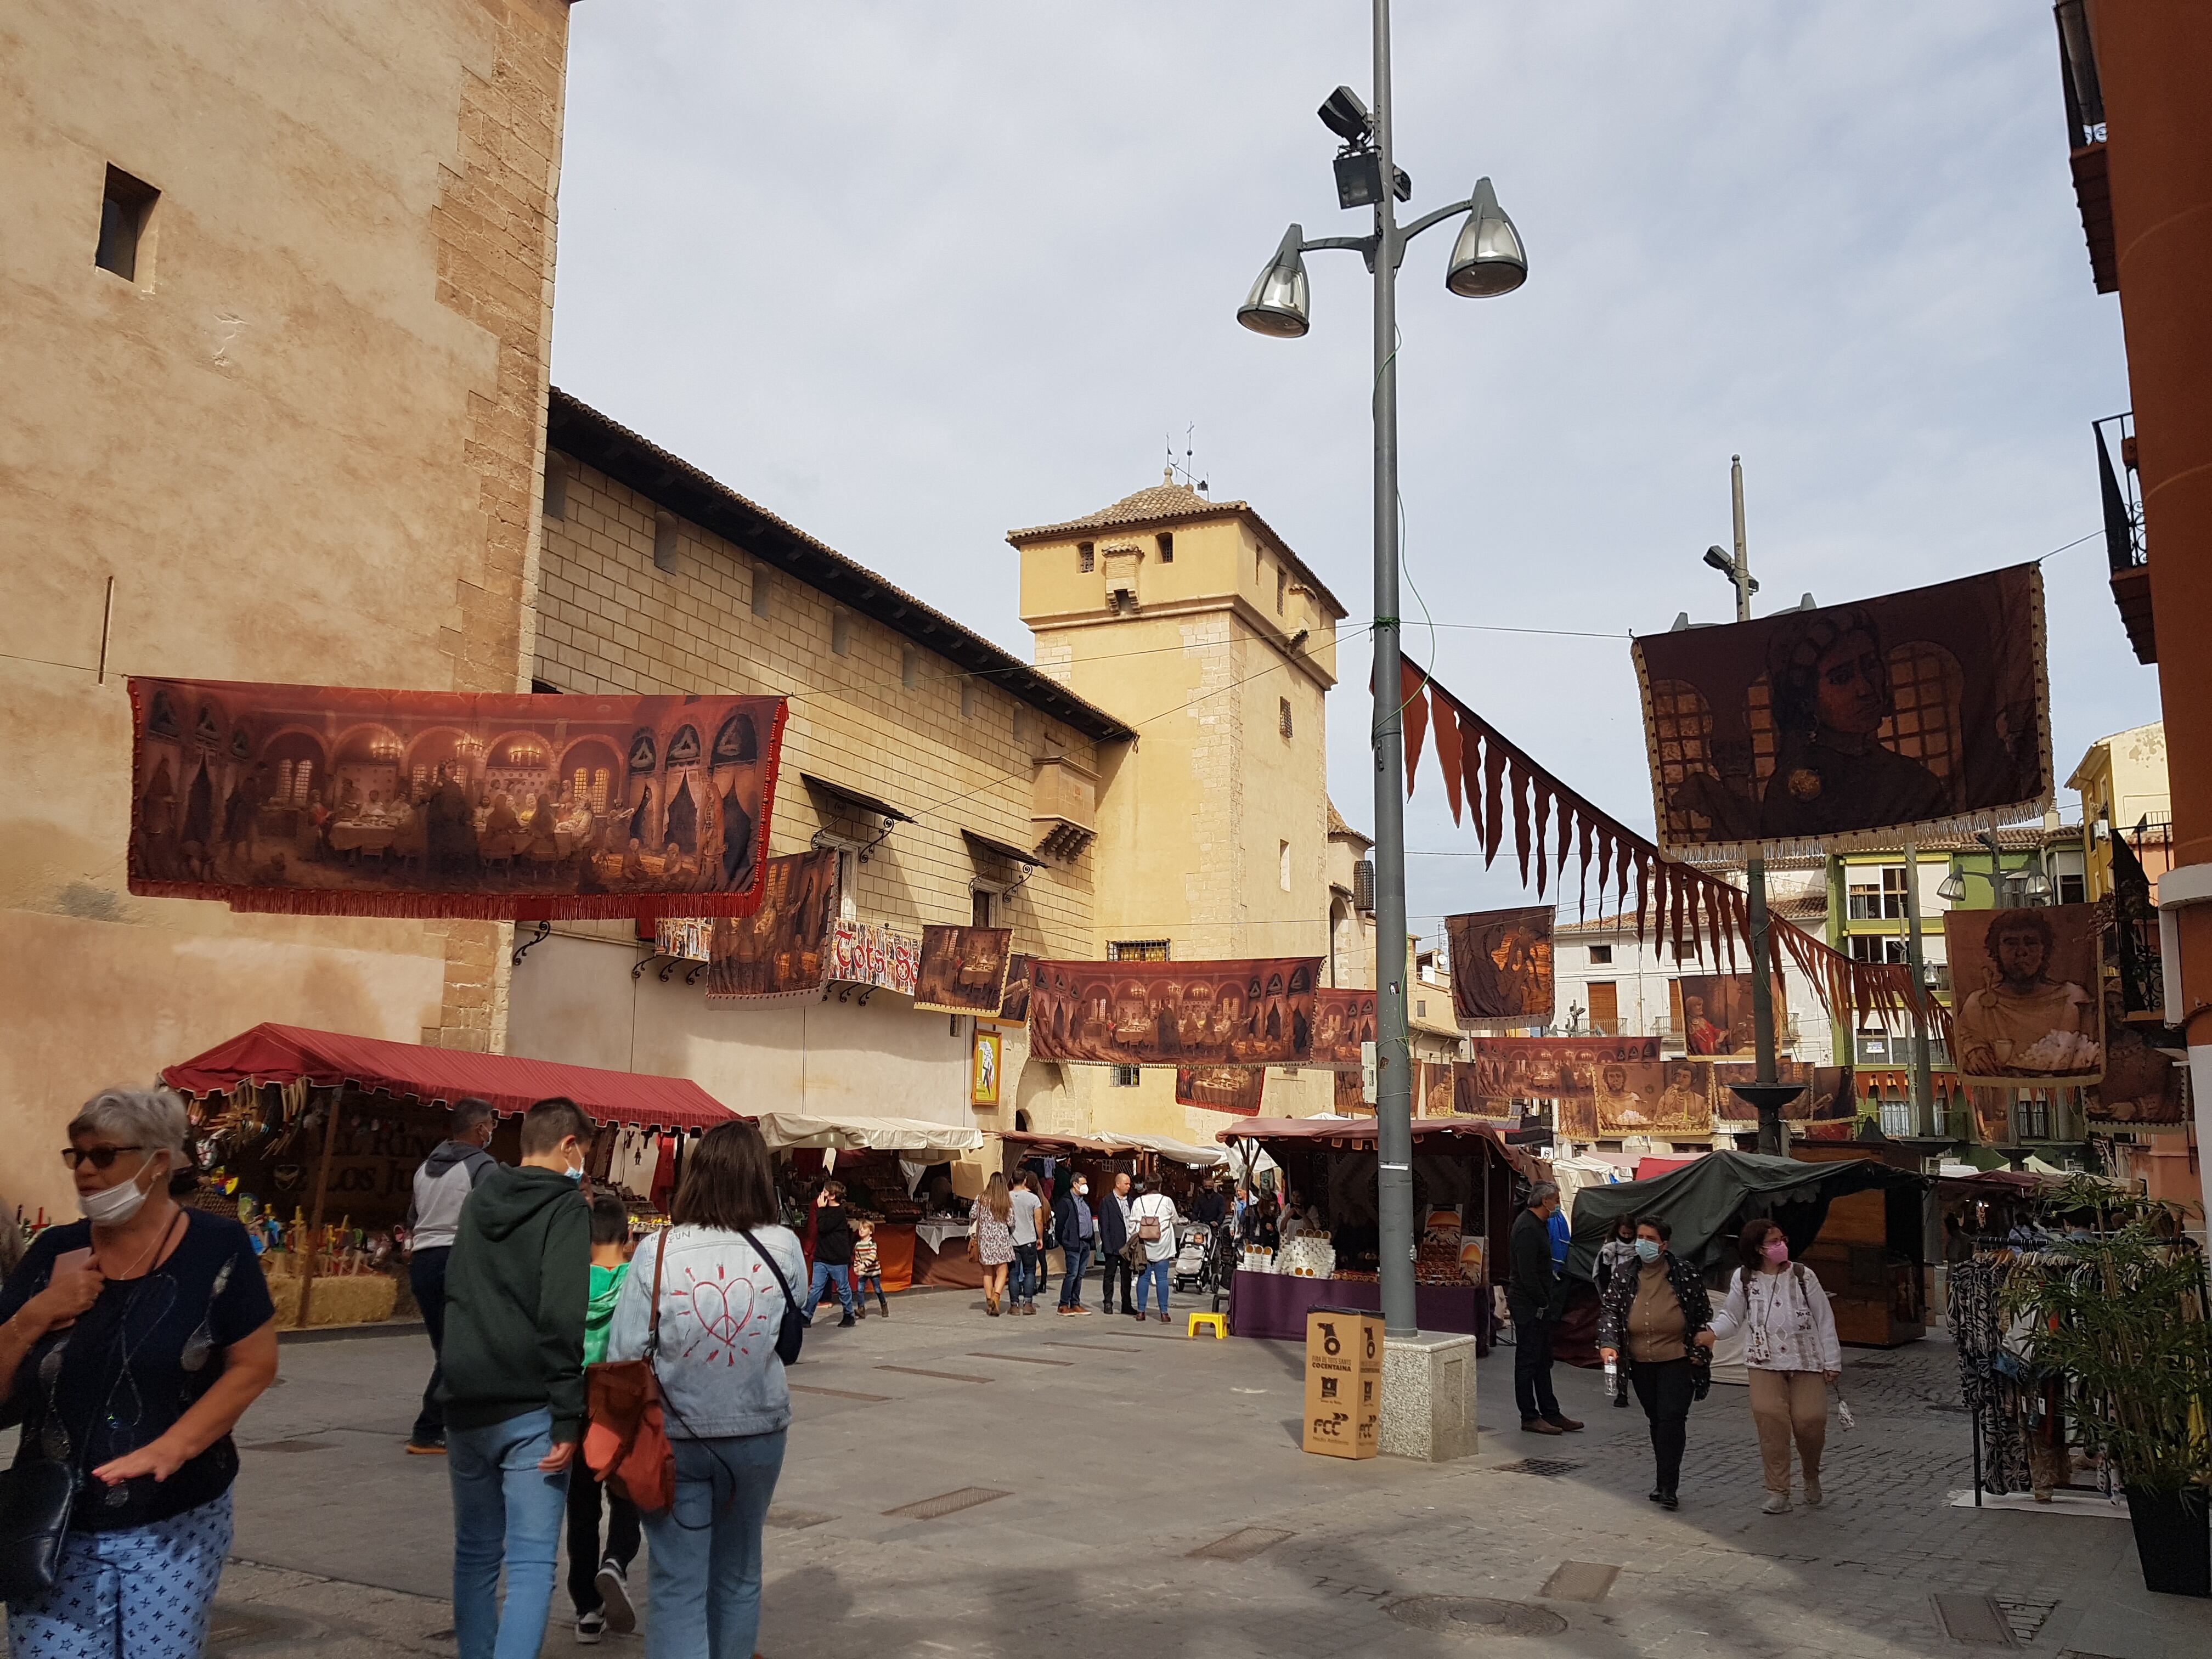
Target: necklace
(148, 1254)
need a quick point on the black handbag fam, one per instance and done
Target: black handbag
(793, 1331)
(36, 1498)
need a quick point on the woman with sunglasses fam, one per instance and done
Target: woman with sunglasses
(132, 1342)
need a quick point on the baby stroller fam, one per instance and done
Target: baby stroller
(1194, 1268)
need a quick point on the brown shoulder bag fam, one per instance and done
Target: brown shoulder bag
(626, 1445)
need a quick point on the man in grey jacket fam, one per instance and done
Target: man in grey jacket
(442, 1185)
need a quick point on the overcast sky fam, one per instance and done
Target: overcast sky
(915, 275)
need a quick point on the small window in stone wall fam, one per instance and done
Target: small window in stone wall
(763, 585)
(1127, 1077)
(910, 667)
(1283, 715)
(840, 632)
(1024, 726)
(1167, 549)
(1282, 587)
(967, 700)
(556, 487)
(126, 208)
(664, 541)
(1086, 557)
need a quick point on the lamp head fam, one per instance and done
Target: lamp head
(1344, 114)
(1952, 888)
(1488, 259)
(1720, 561)
(1278, 303)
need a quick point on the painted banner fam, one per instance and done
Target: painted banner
(1501, 964)
(1830, 1094)
(2026, 999)
(687, 938)
(1649, 1097)
(1222, 1088)
(1255, 1011)
(1715, 1013)
(327, 800)
(1014, 1000)
(1433, 1088)
(1343, 1019)
(1348, 1096)
(963, 971)
(780, 953)
(985, 1066)
(1568, 1070)
(863, 953)
(1917, 714)
(2146, 1071)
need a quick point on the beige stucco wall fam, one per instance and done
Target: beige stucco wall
(303, 440)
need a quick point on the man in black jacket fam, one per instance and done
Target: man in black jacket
(1113, 1235)
(833, 1251)
(1536, 1296)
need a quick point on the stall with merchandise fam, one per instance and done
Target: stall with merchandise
(1466, 1179)
(312, 1139)
(886, 1164)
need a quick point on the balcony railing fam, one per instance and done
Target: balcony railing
(2122, 498)
(2085, 140)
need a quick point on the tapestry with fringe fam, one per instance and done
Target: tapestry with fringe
(1913, 715)
(1253, 1011)
(330, 800)
(782, 951)
(2026, 995)
(865, 953)
(963, 971)
(1343, 1020)
(1715, 1012)
(1501, 964)
(1221, 1088)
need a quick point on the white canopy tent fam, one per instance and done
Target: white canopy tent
(880, 1134)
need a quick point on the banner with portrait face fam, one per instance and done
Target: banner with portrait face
(1250, 1011)
(1717, 1013)
(1501, 965)
(331, 800)
(1234, 1089)
(963, 971)
(2143, 1082)
(782, 952)
(1570, 1071)
(1343, 1019)
(1829, 1095)
(1862, 724)
(2026, 995)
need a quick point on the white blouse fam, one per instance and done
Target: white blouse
(1787, 1323)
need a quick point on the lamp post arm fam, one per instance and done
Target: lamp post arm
(1427, 221)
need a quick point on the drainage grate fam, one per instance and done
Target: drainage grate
(293, 1445)
(1240, 1546)
(837, 1393)
(945, 1503)
(798, 1520)
(1579, 1580)
(1468, 1616)
(1025, 1359)
(1974, 1621)
(947, 1377)
(1538, 1466)
(2026, 1615)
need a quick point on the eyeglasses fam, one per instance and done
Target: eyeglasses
(101, 1158)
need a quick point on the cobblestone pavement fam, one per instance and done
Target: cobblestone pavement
(1118, 1450)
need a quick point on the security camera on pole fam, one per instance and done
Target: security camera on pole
(1487, 260)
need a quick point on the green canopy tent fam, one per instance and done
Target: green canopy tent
(1707, 1202)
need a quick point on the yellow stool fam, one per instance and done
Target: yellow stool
(1215, 1320)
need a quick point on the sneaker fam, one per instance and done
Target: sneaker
(426, 1449)
(591, 1627)
(1812, 1494)
(1538, 1426)
(1067, 1312)
(614, 1597)
(1086, 1312)
(1778, 1503)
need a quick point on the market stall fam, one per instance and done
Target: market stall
(1464, 1182)
(313, 1138)
(883, 1162)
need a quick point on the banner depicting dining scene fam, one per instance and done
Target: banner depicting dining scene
(1599, 1086)
(1344, 1021)
(963, 971)
(1501, 965)
(1236, 1089)
(1253, 1011)
(2026, 995)
(1862, 724)
(330, 800)
(782, 952)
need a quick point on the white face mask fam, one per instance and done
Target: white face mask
(111, 1206)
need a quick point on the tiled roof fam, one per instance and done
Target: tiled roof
(1337, 826)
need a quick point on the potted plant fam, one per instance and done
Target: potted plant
(2122, 1314)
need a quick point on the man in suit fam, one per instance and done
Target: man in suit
(1113, 1235)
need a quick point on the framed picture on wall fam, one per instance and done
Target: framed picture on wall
(983, 1068)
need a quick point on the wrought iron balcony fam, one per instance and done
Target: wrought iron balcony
(2126, 551)
(2085, 140)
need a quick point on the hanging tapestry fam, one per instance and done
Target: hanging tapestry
(2146, 1071)
(2027, 1002)
(1650, 1098)
(687, 938)
(1495, 784)
(1917, 714)
(1221, 1088)
(963, 971)
(1830, 1094)
(1014, 1000)
(1715, 1013)
(1250, 1012)
(780, 953)
(863, 953)
(1433, 1088)
(1567, 1070)
(1349, 1095)
(1501, 965)
(326, 800)
(1343, 1020)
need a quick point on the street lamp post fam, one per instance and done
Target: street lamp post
(1487, 259)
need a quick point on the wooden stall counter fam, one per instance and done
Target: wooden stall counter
(1276, 1304)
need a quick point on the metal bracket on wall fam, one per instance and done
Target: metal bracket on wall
(637, 970)
(545, 931)
(668, 968)
(692, 978)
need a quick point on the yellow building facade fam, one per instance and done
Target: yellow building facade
(2122, 782)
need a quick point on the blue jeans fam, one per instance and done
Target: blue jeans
(145, 1591)
(826, 1274)
(1154, 1273)
(1071, 1281)
(1024, 1286)
(705, 1563)
(505, 1509)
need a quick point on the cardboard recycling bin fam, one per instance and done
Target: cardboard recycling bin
(1343, 1380)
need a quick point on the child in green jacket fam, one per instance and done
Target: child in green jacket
(598, 1582)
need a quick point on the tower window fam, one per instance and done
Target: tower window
(760, 590)
(126, 206)
(910, 667)
(1127, 1077)
(663, 542)
(1086, 557)
(1282, 587)
(840, 632)
(967, 700)
(1283, 715)
(1283, 863)
(556, 487)
(1167, 549)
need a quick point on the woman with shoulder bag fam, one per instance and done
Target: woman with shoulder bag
(1791, 1351)
(132, 1342)
(724, 1271)
(994, 1240)
(1657, 1321)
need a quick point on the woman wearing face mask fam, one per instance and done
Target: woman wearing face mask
(1654, 1321)
(1790, 1347)
(132, 1342)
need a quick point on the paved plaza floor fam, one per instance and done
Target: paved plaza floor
(1134, 1491)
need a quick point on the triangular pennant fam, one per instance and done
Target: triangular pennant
(1446, 726)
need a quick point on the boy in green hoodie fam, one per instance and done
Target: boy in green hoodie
(516, 1290)
(598, 1583)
